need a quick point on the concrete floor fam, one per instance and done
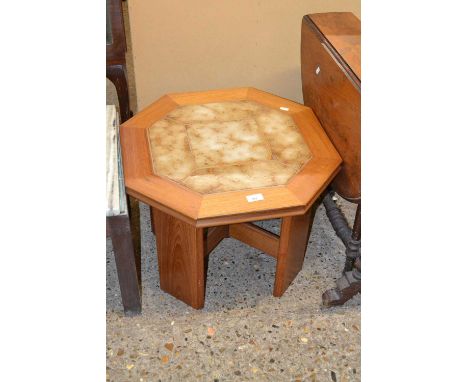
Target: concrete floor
(243, 333)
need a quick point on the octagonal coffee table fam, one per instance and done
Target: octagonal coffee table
(209, 163)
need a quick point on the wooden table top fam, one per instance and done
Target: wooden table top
(227, 156)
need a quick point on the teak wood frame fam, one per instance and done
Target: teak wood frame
(293, 198)
(183, 251)
(188, 225)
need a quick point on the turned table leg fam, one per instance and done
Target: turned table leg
(354, 244)
(294, 236)
(120, 232)
(349, 284)
(180, 258)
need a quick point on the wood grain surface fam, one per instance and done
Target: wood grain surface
(115, 50)
(180, 259)
(343, 31)
(214, 236)
(120, 232)
(294, 236)
(333, 90)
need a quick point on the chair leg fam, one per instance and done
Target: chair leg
(134, 215)
(122, 242)
(349, 284)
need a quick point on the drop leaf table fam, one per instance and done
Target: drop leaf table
(331, 85)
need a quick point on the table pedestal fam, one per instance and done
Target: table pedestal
(183, 250)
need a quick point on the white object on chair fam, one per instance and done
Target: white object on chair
(115, 188)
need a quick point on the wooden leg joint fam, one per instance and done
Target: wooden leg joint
(214, 236)
(256, 237)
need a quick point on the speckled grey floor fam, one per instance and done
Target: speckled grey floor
(243, 333)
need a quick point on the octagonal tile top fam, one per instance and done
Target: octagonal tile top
(227, 146)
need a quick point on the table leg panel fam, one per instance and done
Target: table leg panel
(295, 231)
(180, 258)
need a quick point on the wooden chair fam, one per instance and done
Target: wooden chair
(118, 222)
(129, 219)
(331, 85)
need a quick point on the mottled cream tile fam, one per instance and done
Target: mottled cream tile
(220, 143)
(227, 146)
(170, 150)
(233, 111)
(190, 113)
(238, 177)
(284, 137)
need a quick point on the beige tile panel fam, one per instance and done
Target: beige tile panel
(221, 143)
(227, 146)
(217, 111)
(170, 150)
(284, 137)
(239, 177)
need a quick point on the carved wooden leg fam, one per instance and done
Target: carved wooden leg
(180, 258)
(354, 243)
(349, 284)
(336, 217)
(294, 236)
(117, 74)
(121, 236)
